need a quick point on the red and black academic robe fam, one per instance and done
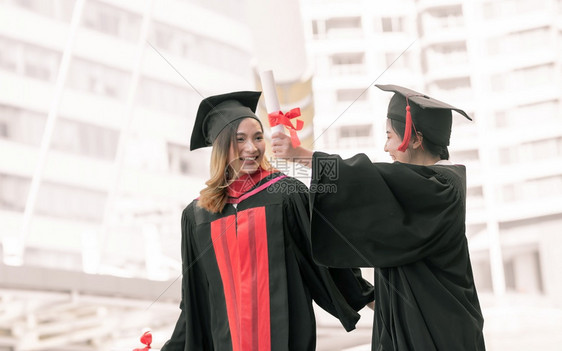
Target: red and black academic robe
(249, 278)
(408, 222)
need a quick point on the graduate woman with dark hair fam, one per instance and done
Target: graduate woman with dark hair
(406, 219)
(248, 275)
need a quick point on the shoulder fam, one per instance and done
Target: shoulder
(291, 180)
(188, 212)
(447, 171)
(190, 207)
(456, 173)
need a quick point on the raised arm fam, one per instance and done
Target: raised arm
(382, 214)
(283, 148)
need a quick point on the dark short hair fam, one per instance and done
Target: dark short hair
(436, 150)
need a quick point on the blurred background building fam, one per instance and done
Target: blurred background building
(96, 107)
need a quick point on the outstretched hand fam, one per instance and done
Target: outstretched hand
(283, 148)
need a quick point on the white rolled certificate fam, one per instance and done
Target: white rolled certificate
(270, 95)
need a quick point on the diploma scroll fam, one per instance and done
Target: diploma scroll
(270, 95)
(278, 120)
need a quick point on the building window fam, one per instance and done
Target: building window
(44, 7)
(85, 139)
(59, 200)
(501, 9)
(343, 23)
(21, 125)
(348, 58)
(98, 79)
(351, 95)
(222, 55)
(532, 151)
(398, 60)
(13, 192)
(444, 55)
(340, 27)
(529, 77)
(454, 89)
(351, 136)
(534, 76)
(232, 8)
(523, 273)
(444, 18)
(348, 63)
(533, 39)
(29, 60)
(52, 199)
(111, 20)
(319, 29)
(475, 197)
(167, 97)
(546, 187)
(57, 9)
(173, 40)
(315, 29)
(452, 84)
(40, 63)
(181, 161)
(543, 112)
(177, 158)
(198, 48)
(3, 129)
(392, 24)
(356, 131)
(9, 54)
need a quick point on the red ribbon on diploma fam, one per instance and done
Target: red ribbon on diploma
(276, 118)
(146, 339)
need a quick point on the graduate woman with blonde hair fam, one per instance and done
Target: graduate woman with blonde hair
(248, 275)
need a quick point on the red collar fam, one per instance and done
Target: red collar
(244, 183)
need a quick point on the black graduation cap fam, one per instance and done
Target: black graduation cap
(218, 111)
(431, 117)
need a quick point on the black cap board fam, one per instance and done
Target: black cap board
(218, 111)
(431, 117)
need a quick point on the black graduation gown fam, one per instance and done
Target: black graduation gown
(249, 278)
(408, 222)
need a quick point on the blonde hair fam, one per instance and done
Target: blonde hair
(214, 197)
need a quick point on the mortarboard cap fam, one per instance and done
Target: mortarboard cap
(218, 111)
(431, 117)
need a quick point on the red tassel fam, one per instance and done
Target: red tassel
(408, 130)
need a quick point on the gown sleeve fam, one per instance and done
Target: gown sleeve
(193, 328)
(368, 214)
(340, 292)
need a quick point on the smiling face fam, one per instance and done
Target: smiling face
(393, 141)
(247, 152)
